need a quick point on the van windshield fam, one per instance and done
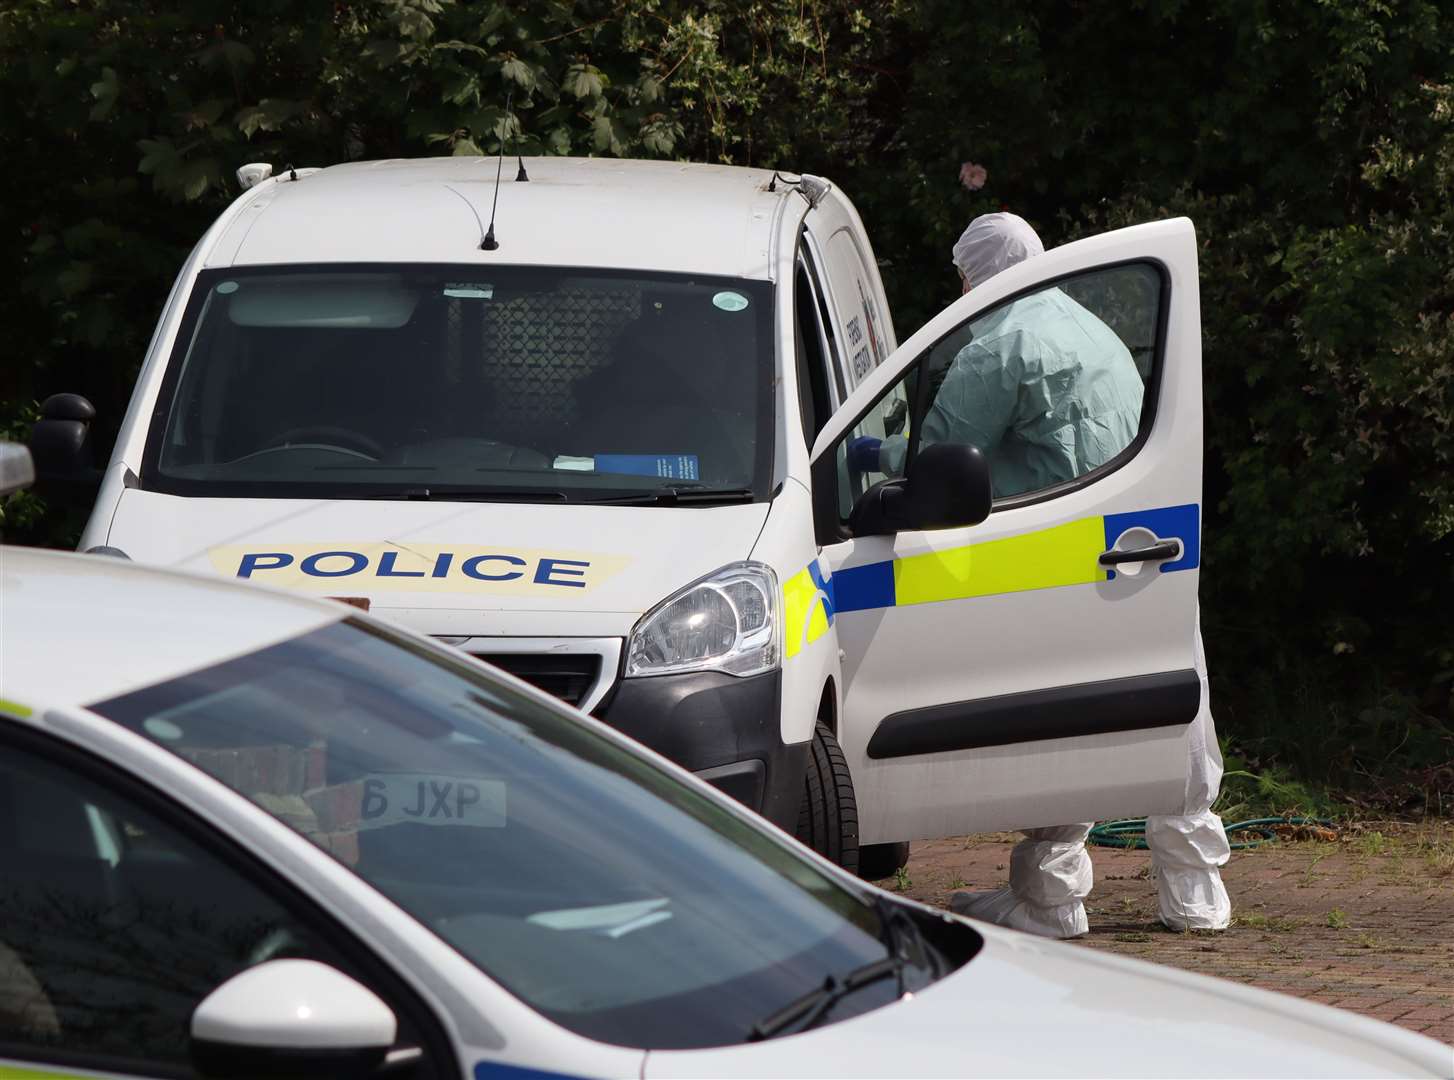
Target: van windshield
(517, 383)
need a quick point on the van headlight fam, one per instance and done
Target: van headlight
(729, 621)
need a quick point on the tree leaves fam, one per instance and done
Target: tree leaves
(1318, 175)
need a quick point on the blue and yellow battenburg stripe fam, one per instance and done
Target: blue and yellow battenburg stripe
(1044, 559)
(808, 607)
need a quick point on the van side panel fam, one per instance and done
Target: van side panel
(810, 642)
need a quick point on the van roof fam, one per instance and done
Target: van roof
(594, 212)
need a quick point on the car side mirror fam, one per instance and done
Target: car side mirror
(947, 486)
(291, 1018)
(60, 441)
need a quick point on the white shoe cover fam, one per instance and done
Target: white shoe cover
(1186, 852)
(1050, 876)
(1003, 908)
(1187, 849)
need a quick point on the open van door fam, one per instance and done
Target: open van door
(1034, 668)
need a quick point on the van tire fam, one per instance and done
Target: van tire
(828, 814)
(878, 861)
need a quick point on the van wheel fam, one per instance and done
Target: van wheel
(828, 814)
(876, 861)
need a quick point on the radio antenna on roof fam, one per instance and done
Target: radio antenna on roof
(489, 243)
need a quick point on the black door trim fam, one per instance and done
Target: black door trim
(1140, 701)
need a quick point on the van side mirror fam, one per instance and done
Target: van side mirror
(60, 441)
(292, 1018)
(947, 486)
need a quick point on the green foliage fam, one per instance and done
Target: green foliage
(1270, 791)
(1313, 145)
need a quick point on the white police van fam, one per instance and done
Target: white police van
(605, 449)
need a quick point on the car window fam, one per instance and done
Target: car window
(418, 381)
(808, 264)
(116, 925)
(877, 444)
(862, 327)
(814, 356)
(1053, 385)
(598, 888)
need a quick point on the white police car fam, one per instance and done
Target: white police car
(247, 834)
(609, 455)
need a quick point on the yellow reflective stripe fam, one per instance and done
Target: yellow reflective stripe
(14, 708)
(798, 594)
(1063, 555)
(817, 619)
(11, 1072)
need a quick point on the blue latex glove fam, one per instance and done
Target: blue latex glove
(863, 454)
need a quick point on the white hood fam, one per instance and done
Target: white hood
(449, 568)
(1035, 1008)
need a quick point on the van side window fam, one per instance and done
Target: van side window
(1050, 385)
(1056, 386)
(833, 346)
(814, 359)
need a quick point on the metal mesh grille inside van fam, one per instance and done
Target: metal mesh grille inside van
(536, 348)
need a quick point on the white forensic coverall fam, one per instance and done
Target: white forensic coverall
(1049, 392)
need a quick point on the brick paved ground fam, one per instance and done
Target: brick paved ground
(1365, 923)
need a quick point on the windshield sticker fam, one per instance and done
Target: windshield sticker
(226, 288)
(574, 464)
(469, 290)
(320, 567)
(671, 466)
(730, 301)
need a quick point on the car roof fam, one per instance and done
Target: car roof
(76, 629)
(591, 212)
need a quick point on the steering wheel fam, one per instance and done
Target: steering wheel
(327, 435)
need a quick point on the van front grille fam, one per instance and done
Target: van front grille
(568, 676)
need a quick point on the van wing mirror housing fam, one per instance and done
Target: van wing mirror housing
(60, 441)
(947, 487)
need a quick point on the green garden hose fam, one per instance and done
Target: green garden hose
(1130, 833)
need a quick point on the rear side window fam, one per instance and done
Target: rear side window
(814, 358)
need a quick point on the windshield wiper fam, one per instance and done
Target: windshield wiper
(814, 1005)
(681, 495)
(899, 933)
(474, 494)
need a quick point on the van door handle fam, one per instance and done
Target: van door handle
(1157, 552)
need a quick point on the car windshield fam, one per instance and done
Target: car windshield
(467, 382)
(623, 904)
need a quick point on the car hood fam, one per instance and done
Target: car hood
(570, 569)
(1028, 1007)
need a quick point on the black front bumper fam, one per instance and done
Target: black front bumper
(723, 728)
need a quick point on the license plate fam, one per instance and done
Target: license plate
(431, 799)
